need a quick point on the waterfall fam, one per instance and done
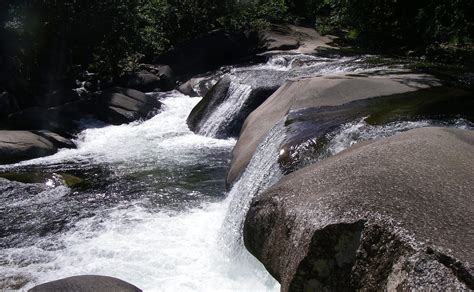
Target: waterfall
(261, 173)
(151, 210)
(267, 77)
(154, 219)
(359, 130)
(225, 113)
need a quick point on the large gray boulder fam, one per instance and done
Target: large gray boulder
(132, 93)
(57, 140)
(16, 146)
(120, 105)
(166, 74)
(86, 284)
(220, 93)
(167, 77)
(187, 88)
(316, 93)
(59, 119)
(213, 98)
(293, 38)
(391, 214)
(116, 105)
(199, 85)
(144, 81)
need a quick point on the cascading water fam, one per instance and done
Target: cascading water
(223, 115)
(149, 206)
(261, 173)
(359, 130)
(269, 76)
(150, 212)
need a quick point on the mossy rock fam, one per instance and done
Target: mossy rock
(39, 177)
(71, 180)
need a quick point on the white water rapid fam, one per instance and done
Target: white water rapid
(222, 116)
(149, 206)
(150, 245)
(272, 74)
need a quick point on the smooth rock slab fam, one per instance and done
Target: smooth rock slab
(57, 140)
(316, 92)
(394, 213)
(86, 284)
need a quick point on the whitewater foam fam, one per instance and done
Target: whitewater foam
(157, 249)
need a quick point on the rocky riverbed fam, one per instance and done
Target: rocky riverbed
(336, 172)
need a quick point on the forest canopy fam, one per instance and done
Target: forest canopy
(43, 40)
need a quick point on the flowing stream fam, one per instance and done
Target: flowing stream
(151, 214)
(271, 75)
(225, 112)
(147, 203)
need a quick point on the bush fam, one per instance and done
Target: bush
(44, 43)
(396, 23)
(50, 41)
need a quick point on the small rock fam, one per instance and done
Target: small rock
(86, 284)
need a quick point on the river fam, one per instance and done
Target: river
(149, 204)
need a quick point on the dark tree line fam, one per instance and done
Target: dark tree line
(44, 43)
(409, 23)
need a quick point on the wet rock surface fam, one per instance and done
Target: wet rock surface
(317, 93)
(115, 105)
(254, 84)
(199, 85)
(387, 214)
(47, 129)
(122, 105)
(211, 100)
(309, 130)
(223, 115)
(87, 284)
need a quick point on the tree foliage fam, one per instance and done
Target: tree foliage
(49, 41)
(388, 23)
(44, 42)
